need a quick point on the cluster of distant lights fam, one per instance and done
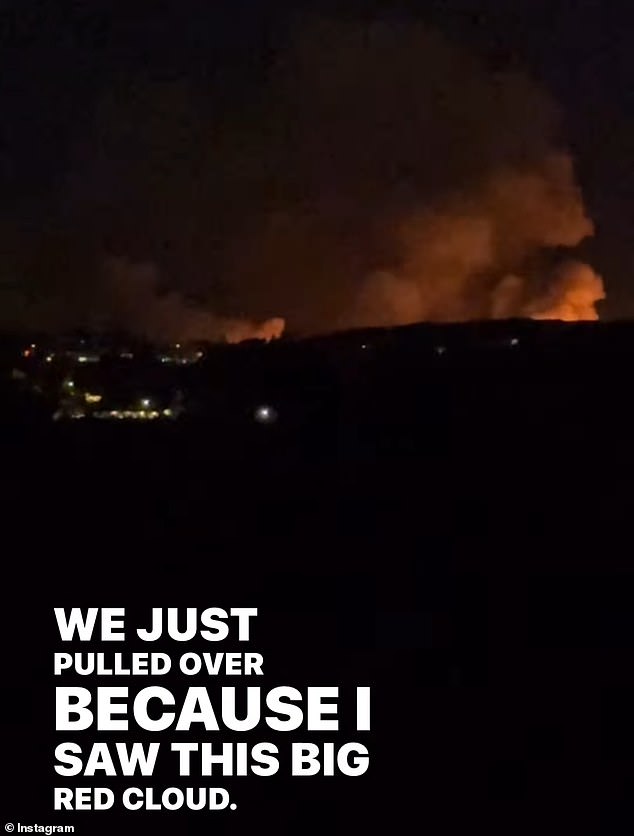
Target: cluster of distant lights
(181, 360)
(134, 414)
(85, 357)
(125, 414)
(263, 414)
(145, 412)
(186, 360)
(79, 358)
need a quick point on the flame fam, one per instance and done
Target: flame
(241, 330)
(453, 255)
(572, 296)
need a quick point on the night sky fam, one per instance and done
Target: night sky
(67, 68)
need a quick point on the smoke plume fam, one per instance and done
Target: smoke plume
(131, 301)
(429, 187)
(455, 257)
(375, 174)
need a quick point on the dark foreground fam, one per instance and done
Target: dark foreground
(463, 547)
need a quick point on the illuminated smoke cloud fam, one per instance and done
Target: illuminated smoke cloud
(428, 185)
(572, 295)
(237, 330)
(454, 257)
(131, 301)
(374, 175)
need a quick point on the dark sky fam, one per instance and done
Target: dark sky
(63, 64)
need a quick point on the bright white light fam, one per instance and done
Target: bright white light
(364, 345)
(145, 403)
(515, 341)
(265, 415)
(82, 358)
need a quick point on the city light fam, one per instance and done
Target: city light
(129, 414)
(265, 415)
